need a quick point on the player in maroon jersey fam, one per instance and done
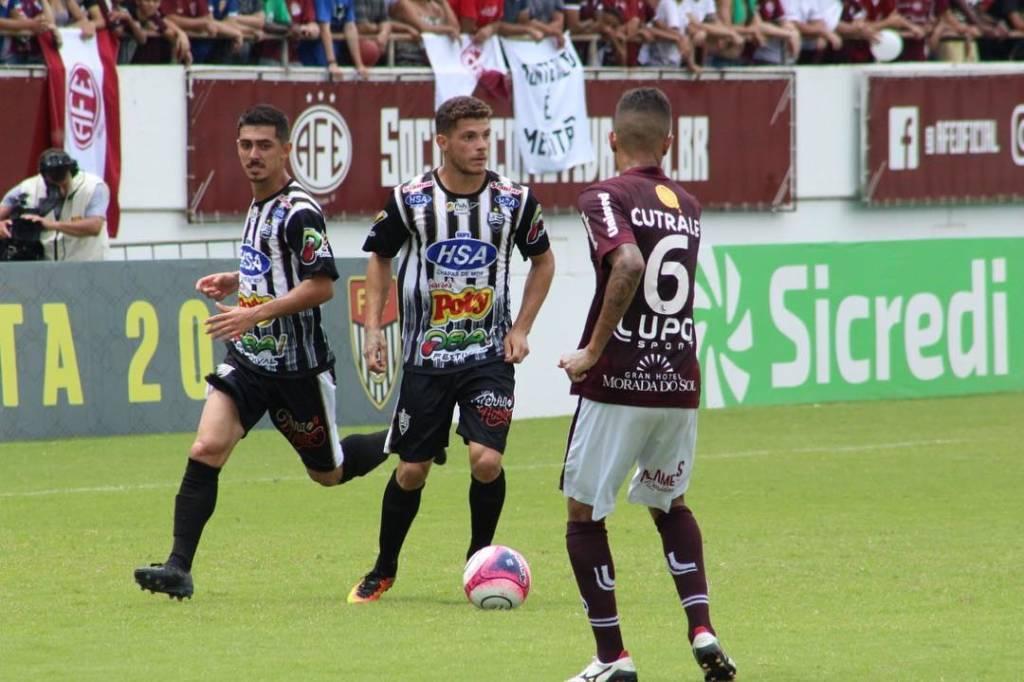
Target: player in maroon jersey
(638, 379)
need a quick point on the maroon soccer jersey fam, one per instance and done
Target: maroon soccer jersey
(651, 359)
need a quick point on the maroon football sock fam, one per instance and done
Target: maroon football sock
(591, 558)
(684, 551)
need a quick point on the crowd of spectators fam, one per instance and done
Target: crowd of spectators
(368, 34)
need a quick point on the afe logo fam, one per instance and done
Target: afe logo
(321, 148)
(84, 106)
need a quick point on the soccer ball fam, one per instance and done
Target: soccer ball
(496, 577)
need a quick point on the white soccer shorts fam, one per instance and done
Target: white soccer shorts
(607, 440)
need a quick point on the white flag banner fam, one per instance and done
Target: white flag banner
(85, 105)
(550, 106)
(459, 66)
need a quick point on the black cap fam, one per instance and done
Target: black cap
(55, 160)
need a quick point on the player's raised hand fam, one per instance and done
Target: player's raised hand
(516, 346)
(218, 285)
(577, 364)
(376, 351)
(231, 322)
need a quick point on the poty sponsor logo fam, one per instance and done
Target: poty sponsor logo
(462, 254)
(903, 138)
(253, 263)
(84, 105)
(1017, 134)
(417, 200)
(417, 187)
(321, 153)
(252, 300)
(470, 303)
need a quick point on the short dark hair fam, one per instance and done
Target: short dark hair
(457, 108)
(643, 119)
(266, 115)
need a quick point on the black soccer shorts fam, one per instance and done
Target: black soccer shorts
(484, 393)
(302, 408)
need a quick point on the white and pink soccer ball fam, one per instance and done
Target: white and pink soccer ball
(496, 577)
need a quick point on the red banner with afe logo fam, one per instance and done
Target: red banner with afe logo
(943, 138)
(352, 142)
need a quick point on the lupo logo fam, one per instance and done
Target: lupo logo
(722, 329)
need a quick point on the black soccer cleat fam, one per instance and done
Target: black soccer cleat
(715, 663)
(169, 580)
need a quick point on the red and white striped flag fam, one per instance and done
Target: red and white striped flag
(85, 107)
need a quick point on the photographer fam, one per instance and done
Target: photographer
(63, 210)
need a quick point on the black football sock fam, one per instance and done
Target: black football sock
(684, 551)
(485, 503)
(193, 507)
(363, 453)
(397, 511)
(591, 559)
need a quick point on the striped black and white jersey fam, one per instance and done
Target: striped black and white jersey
(284, 242)
(453, 272)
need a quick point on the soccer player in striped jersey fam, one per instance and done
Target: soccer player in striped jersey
(454, 230)
(278, 359)
(638, 378)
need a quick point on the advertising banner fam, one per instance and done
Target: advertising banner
(119, 348)
(802, 323)
(930, 139)
(28, 124)
(351, 142)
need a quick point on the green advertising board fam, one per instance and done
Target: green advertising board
(802, 323)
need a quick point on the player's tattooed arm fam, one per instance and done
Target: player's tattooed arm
(627, 268)
(378, 281)
(538, 282)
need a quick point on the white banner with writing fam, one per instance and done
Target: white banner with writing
(459, 66)
(550, 105)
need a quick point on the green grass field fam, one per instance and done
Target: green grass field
(850, 542)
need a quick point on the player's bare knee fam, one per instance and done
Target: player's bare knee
(412, 475)
(579, 512)
(487, 467)
(209, 452)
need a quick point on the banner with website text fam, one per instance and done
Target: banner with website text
(733, 141)
(940, 139)
(803, 323)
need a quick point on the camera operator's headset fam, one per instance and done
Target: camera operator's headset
(56, 160)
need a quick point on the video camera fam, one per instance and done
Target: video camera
(26, 235)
